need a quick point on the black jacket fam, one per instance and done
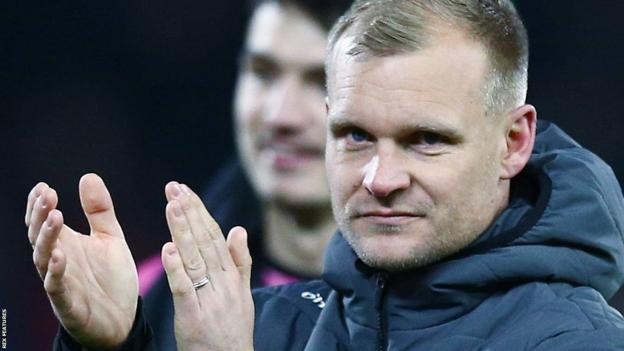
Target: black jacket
(536, 279)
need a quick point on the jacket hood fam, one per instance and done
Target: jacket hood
(564, 224)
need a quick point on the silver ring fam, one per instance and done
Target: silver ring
(203, 281)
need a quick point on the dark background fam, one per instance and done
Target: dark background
(139, 92)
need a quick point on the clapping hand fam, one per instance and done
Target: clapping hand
(91, 280)
(209, 277)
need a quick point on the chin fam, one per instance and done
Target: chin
(394, 252)
(296, 194)
(388, 260)
(297, 190)
(299, 199)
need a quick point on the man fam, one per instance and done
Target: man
(460, 229)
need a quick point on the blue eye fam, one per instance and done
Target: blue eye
(429, 143)
(358, 136)
(430, 138)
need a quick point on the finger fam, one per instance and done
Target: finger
(185, 300)
(237, 245)
(46, 241)
(98, 206)
(218, 239)
(205, 230)
(36, 191)
(54, 282)
(45, 203)
(214, 228)
(172, 191)
(185, 243)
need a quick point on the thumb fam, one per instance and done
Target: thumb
(98, 206)
(237, 244)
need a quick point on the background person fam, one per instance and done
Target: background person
(279, 190)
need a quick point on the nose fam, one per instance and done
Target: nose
(385, 175)
(285, 107)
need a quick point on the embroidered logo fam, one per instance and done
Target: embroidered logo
(315, 297)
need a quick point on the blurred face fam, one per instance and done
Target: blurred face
(414, 166)
(280, 108)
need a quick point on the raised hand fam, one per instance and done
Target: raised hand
(91, 280)
(209, 277)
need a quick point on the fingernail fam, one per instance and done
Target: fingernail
(186, 189)
(176, 190)
(177, 211)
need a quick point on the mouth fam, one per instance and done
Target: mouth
(289, 156)
(394, 218)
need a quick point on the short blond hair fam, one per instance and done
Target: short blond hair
(392, 27)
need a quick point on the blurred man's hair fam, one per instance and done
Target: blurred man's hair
(324, 12)
(381, 28)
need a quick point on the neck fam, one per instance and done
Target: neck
(296, 237)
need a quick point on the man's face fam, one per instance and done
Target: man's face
(414, 166)
(279, 106)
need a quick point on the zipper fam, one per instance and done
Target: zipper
(382, 337)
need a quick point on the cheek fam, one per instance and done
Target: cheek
(451, 182)
(247, 106)
(248, 103)
(333, 170)
(465, 188)
(344, 176)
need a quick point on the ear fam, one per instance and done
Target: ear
(520, 137)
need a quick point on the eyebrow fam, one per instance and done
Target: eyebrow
(340, 123)
(248, 56)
